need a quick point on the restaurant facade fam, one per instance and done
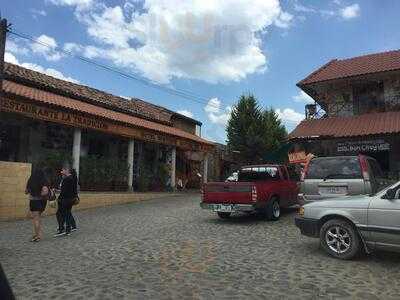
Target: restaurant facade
(356, 111)
(115, 144)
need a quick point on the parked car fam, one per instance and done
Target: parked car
(261, 188)
(345, 225)
(327, 177)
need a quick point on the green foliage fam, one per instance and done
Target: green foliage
(95, 170)
(162, 175)
(144, 179)
(253, 132)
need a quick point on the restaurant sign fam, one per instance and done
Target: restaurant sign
(80, 120)
(45, 113)
(363, 146)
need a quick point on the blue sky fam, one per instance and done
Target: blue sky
(215, 49)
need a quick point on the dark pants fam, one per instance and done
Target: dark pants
(64, 215)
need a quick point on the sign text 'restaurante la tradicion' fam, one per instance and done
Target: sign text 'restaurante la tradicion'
(53, 115)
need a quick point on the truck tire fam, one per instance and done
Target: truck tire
(340, 239)
(272, 211)
(224, 215)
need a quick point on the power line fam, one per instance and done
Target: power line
(175, 92)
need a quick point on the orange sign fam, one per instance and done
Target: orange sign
(299, 157)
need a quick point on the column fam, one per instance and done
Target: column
(173, 167)
(76, 149)
(205, 168)
(131, 151)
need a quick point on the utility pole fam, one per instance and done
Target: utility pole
(3, 35)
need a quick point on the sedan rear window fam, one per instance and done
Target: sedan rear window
(252, 174)
(334, 168)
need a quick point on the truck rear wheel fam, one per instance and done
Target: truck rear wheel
(273, 210)
(224, 215)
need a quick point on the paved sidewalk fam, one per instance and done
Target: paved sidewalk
(171, 249)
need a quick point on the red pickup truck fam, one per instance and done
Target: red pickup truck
(260, 188)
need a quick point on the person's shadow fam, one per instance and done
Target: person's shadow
(5, 289)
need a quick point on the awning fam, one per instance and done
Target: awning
(336, 127)
(79, 106)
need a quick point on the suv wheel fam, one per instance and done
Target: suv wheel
(340, 239)
(224, 215)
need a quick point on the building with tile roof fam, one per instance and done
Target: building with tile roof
(356, 110)
(46, 119)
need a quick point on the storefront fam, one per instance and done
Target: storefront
(114, 144)
(374, 135)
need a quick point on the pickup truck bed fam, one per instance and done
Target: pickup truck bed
(261, 188)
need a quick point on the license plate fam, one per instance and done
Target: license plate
(222, 208)
(336, 190)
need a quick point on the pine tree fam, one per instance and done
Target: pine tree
(252, 132)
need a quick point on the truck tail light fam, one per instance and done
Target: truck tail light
(364, 167)
(254, 194)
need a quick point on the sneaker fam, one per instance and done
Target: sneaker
(59, 233)
(74, 229)
(67, 233)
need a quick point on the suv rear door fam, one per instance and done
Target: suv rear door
(378, 182)
(328, 177)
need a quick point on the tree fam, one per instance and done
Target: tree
(253, 132)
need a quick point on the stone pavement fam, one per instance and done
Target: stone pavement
(171, 249)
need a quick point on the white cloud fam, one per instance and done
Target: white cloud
(305, 9)
(215, 114)
(350, 12)
(8, 57)
(38, 12)
(87, 51)
(15, 48)
(80, 4)
(186, 113)
(284, 20)
(213, 106)
(303, 97)
(290, 116)
(213, 41)
(47, 48)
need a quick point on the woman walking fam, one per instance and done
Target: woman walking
(38, 190)
(66, 199)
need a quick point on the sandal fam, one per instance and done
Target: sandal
(35, 239)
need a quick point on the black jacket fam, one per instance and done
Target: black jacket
(68, 189)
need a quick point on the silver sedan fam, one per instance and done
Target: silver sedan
(345, 225)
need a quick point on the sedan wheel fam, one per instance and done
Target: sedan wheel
(340, 239)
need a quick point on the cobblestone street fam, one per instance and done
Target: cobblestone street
(171, 249)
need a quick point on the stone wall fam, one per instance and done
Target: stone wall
(14, 203)
(340, 97)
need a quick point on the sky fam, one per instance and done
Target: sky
(213, 50)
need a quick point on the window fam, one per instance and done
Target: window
(258, 174)
(375, 168)
(334, 168)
